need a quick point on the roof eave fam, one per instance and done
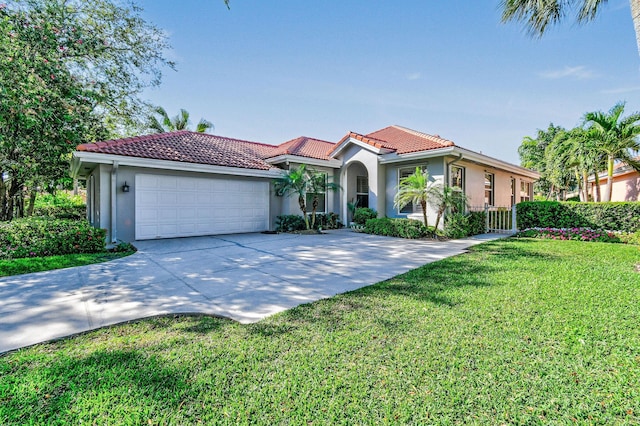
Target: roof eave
(466, 155)
(80, 157)
(286, 158)
(343, 145)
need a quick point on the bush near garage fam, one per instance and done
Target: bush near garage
(363, 214)
(293, 222)
(37, 237)
(459, 225)
(614, 216)
(401, 228)
(328, 221)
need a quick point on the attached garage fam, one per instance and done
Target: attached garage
(176, 206)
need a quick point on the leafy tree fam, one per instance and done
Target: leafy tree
(178, 122)
(537, 15)
(417, 189)
(300, 181)
(71, 71)
(616, 138)
(532, 154)
(446, 198)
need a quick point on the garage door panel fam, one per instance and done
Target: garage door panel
(176, 206)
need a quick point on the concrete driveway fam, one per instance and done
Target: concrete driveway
(245, 277)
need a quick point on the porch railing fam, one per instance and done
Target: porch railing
(499, 219)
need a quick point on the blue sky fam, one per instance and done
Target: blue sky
(270, 71)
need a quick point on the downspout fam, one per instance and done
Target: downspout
(114, 204)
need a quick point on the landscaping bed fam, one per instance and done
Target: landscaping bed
(518, 331)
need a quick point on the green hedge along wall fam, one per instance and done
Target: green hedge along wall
(623, 216)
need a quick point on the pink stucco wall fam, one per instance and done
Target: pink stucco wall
(626, 187)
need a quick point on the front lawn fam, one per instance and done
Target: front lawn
(515, 332)
(27, 265)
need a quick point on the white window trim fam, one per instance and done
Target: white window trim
(362, 193)
(492, 198)
(399, 173)
(464, 174)
(325, 207)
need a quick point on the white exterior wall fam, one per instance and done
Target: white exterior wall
(355, 154)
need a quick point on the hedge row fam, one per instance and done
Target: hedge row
(403, 228)
(623, 216)
(36, 237)
(293, 222)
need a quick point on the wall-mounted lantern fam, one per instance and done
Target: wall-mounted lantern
(125, 187)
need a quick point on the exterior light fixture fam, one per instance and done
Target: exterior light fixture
(125, 187)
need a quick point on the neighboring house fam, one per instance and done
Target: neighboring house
(186, 184)
(625, 186)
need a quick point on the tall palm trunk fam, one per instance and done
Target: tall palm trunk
(303, 207)
(423, 204)
(610, 161)
(585, 185)
(635, 15)
(597, 182)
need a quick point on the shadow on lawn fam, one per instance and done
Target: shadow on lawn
(101, 375)
(434, 283)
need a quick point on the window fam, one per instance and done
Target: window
(322, 196)
(456, 181)
(403, 173)
(513, 191)
(488, 188)
(525, 191)
(457, 178)
(362, 191)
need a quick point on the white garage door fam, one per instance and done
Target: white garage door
(174, 206)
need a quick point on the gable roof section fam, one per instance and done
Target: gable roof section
(398, 139)
(305, 147)
(403, 140)
(200, 148)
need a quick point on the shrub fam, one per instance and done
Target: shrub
(36, 237)
(623, 216)
(629, 238)
(477, 223)
(62, 205)
(328, 221)
(456, 226)
(363, 214)
(460, 225)
(402, 228)
(290, 223)
(576, 234)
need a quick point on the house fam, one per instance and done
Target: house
(625, 184)
(187, 184)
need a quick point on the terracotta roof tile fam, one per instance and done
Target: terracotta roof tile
(189, 147)
(306, 147)
(201, 148)
(403, 140)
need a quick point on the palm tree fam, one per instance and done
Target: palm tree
(415, 189)
(300, 181)
(537, 15)
(178, 122)
(616, 138)
(447, 198)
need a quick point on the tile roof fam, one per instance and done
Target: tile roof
(306, 147)
(400, 140)
(202, 148)
(403, 140)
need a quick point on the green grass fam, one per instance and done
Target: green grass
(515, 332)
(37, 264)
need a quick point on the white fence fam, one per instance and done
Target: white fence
(499, 219)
